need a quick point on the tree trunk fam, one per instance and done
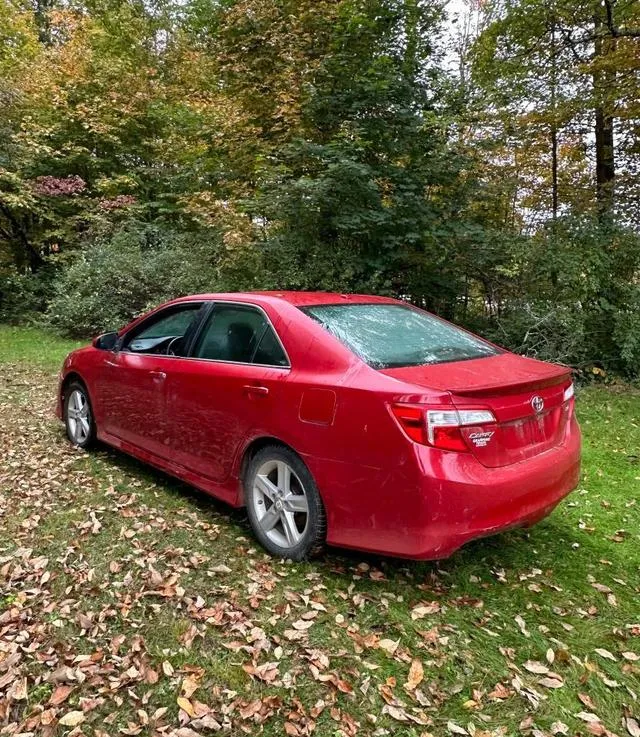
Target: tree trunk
(603, 82)
(554, 124)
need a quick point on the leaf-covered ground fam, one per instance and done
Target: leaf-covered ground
(131, 604)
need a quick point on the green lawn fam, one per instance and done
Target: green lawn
(131, 604)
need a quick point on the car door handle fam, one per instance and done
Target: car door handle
(158, 375)
(258, 390)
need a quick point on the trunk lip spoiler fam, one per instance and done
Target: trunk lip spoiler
(518, 387)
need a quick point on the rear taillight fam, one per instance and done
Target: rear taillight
(440, 428)
(411, 420)
(568, 402)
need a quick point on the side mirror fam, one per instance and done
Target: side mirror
(106, 341)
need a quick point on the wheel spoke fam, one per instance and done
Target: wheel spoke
(290, 528)
(296, 503)
(284, 478)
(84, 424)
(266, 487)
(270, 519)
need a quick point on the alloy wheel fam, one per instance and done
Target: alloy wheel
(280, 503)
(78, 417)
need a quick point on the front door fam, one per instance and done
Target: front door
(134, 378)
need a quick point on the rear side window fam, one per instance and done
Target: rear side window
(239, 334)
(392, 336)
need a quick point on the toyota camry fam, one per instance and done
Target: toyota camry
(352, 420)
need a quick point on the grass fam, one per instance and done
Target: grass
(103, 558)
(34, 347)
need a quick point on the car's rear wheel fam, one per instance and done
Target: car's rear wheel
(78, 417)
(283, 504)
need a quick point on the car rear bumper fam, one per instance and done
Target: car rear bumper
(456, 499)
(495, 500)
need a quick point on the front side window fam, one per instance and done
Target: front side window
(165, 333)
(392, 336)
(239, 334)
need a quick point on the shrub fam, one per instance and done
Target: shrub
(126, 272)
(24, 297)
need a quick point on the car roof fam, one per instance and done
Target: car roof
(298, 299)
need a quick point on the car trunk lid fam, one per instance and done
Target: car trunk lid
(526, 397)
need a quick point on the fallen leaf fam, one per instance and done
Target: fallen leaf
(522, 625)
(605, 654)
(189, 686)
(389, 646)
(423, 610)
(186, 706)
(534, 666)
(585, 699)
(416, 674)
(456, 728)
(632, 726)
(60, 694)
(18, 690)
(551, 682)
(72, 719)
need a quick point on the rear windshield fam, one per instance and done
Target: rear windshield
(392, 336)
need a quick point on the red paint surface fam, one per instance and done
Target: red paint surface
(382, 491)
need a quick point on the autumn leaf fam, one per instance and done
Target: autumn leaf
(605, 654)
(72, 719)
(632, 726)
(534, 666)
(186, 706)
(60, 694)
(424, 610)
(416, 674)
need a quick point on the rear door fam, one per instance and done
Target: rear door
(228, 389)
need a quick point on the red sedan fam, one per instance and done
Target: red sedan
(358, 421)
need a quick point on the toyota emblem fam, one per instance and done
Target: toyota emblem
(537, 403)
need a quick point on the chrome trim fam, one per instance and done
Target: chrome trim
(220, 360)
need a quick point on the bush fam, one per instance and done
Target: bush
(126, 272)
(24, 297)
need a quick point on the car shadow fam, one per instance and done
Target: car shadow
(514, 549)
(198, 500)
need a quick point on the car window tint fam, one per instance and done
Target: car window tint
(269, 351)
(238, 333)
(392, 336)
(167, 329)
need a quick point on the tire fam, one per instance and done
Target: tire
(283, 504)
(78, 415)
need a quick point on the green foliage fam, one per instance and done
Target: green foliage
(130, 270)
(25, 296)
(572, 297)
(150, 150)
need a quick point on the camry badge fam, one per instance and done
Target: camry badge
(481, 439)
(537, 403)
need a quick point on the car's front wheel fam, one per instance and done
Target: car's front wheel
(78, 417)
(283, 504)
